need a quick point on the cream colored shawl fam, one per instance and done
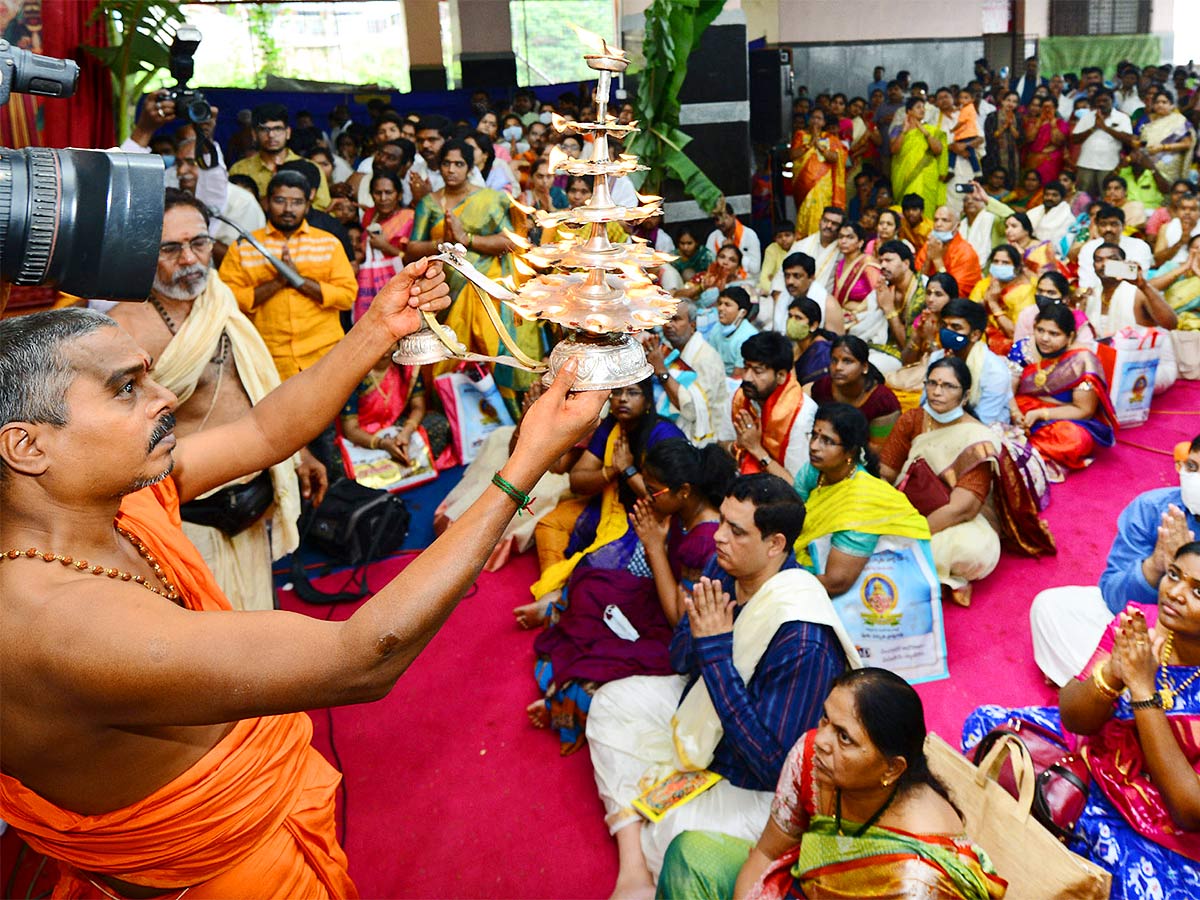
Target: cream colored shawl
(182, 363)
(793, 595)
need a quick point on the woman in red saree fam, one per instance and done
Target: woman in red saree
(857, 813)
(1062, 400)
(1045, 140)
(857, 273)
(1136, 705)
(818, 172)
(386, 229)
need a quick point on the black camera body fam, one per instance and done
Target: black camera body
(189, 103)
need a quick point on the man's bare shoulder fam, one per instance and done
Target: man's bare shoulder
(144, 325)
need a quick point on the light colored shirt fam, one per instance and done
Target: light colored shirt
(262, 174)
(996, 388)
(1101, 151)
(1051, 225)
(1136, 250)
(749, 245)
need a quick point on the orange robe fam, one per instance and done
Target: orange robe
(778, 415)
(254, 817)
(960, 260)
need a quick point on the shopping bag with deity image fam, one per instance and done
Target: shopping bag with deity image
(1130, 365)
(474, 407)
(893, 612)
(378, 469)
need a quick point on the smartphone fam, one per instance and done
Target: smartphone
(1122, 269)
(965, 188)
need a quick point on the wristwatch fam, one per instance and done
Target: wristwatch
(765, 461)
(628, 472)
(1154, 701)
(663, 377)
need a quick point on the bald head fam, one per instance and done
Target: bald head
(945, 219)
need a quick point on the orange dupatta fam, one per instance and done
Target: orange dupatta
(778, 414)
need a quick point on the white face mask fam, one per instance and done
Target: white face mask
(546, 118)
(513, 133)
(1189, 486)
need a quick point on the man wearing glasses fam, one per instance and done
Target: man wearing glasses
(207, 353)
(299, 325)
(272, 133)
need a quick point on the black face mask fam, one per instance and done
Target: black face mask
(1044, 302)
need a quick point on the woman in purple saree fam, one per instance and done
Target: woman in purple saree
(622, 601)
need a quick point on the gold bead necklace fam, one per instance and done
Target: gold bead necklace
(1168, 691)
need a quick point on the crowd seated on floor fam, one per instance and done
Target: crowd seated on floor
(884, 396)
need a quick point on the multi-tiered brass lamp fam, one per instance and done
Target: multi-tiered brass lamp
(596, 290)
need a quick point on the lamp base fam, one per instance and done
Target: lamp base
(421, 348)
(606, 361)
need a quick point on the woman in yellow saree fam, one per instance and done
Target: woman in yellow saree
(818, 172)
(919, 158)
(477, 218)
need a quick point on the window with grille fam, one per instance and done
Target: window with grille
(1087, 17)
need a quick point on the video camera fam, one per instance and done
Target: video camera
(183, 65)
(87, 221)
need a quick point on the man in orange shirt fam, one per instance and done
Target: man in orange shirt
(298, 325)
(948, 251)
(154, 741)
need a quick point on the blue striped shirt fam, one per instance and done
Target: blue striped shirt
(762, 719)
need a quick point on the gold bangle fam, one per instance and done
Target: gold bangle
(374, 442)
(893, 314)
(1101, 685)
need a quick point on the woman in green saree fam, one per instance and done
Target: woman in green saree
(919, 158)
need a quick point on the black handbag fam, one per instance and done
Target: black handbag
(233, 509)
(355, 525)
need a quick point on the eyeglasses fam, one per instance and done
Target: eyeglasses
(199, 245)
(270, 129)
(822, 439)
(288, 202)
(941, 385)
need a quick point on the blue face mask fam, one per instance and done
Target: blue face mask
(944, 236)
(169, 161)
(952, 341)
(945, 418)
(1002, 271)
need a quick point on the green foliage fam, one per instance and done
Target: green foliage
(140, 36)
(269, 54)
(542, 34)
(673, 29)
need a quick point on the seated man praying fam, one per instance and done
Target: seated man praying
(757, 650)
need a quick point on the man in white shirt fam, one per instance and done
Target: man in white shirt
(1064, 99)
(822, 245)
(1052, 220)
(978, 224)
(795, 280)
(1126, 97)
(1103, 133)
(692, 389)
(730, 231)
(1110, 227)
(240, 206)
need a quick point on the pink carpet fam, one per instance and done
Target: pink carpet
(453, 794)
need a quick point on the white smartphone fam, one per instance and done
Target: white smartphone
(618, 624)
(1121, 268)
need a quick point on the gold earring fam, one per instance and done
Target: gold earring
(886, 783)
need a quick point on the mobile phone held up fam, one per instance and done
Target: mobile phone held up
(964, 188)
(1121, 269)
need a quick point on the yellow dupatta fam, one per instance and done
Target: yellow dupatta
(863, 503)
(614, 522)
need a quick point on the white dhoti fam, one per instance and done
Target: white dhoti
(630, 739)
(965, 552)
(241, 564)
(1067, 624)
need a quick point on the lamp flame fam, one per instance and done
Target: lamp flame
(558, 158)
(560, 123)
(528, 210)
(596, 44)
(519, 242)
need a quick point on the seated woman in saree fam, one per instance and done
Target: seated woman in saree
(1062, 400)
(852, 379)
(623, 599)
(908, 382)
(943, 459)
(856, 274)
(857, 813)
(818, 172)
(1045, 140)
(1027, 194)
(734, 326)
(887, 228)
(725, 269)
(579, 192)
(1038, 256)
(693, 256)
(477, 218)
(1136, 707)
(606, 482)
(1180, 287)
(388, 436)
(810, 340)
(541, 195)
(849, 507)
(386, 229)
(1051, 287)
(1169, 137)
(1005, 290)
(495, 172)
(919, 157)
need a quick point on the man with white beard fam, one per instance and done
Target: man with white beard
(209, 355)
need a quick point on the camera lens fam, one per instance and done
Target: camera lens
(86, 221)
(199, 112)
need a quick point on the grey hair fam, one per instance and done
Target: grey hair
(690, 306)
(35, 372)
